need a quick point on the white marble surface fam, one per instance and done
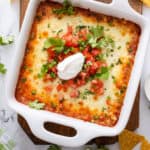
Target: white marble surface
(9, 24)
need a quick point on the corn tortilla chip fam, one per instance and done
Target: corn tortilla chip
(128, 140)
(146, 2)
(145, 145)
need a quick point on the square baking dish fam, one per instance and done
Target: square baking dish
(85, 130)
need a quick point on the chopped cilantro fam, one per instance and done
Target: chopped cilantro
(130, 50)
(53, 105)
(119, 47)
(10, 144)
(103, 109)
(3, 70)
(95, 33)
(79, 27)
(102, 147)
(82, 45)
(52, 74)
(67, 9)
(96, 117)
(36, 105)
(6, 40)
(46, 67)
(100, 57)
(67, 50)
(85, 94)
(48, 25)
(33, 92)
(103, 74)
(2, 146)
(54, 147)
(59, 31)
(106, 42)
(23, 80)
(56, 44)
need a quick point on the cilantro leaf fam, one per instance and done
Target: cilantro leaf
(85, 94)
(103, 74)
(56, 44)
(67, 9)
(94, 35)
(2, 146)
(10, 145)
(36, 105)
(97, 31)
(46, 67)
(3, 70)
(54, 147)
(106, 42)
(6, 40)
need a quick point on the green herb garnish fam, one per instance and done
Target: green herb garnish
(103, 74)
(82, 45)
(3, 70)
(67, 9)
(6, 40)
(36, 105)
(56, 44)
(33, 92)
(46, 67)
(95, 33)
(67, 50)
(59, 31)
(100, 57)
(106, 42)
(85, 94)
(80, 27)
(102, 147)
(52, 74)
(54, 147)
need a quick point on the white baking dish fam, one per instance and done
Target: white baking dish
(85, 130)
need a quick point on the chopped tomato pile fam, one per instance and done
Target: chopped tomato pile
(87, 40)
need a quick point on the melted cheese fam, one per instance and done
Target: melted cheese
(122, 32)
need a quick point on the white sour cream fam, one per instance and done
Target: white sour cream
(71, 66)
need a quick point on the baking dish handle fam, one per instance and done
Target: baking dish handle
(83, 135)
(122, 4)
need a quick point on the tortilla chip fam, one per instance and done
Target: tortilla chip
(146, 2)
(128, 140)
(145, 145)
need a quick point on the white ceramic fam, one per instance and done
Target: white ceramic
(147, 87)
(85, 130)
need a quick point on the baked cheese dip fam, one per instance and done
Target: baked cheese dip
(77, 63)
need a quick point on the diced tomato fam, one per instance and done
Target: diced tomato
(83, 75)
(74, 94)
(80, 82)
(54, 70)
(51, 53)
(48, 88)
(60, 96)
(97, 87)
(95, 52)
(59, 87)
(83, 34)
(70, 40)
(69, 30)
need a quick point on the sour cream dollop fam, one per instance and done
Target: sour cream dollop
(70, 66)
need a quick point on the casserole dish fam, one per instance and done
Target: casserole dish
(81, 127)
